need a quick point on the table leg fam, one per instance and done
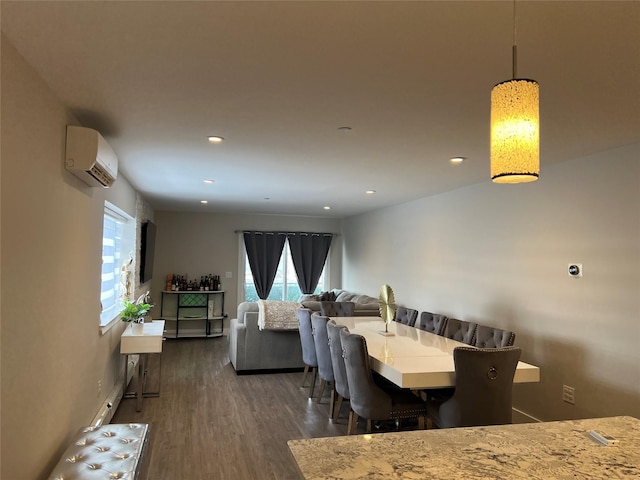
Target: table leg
(142, 374)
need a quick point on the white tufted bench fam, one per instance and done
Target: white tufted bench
(113, 451)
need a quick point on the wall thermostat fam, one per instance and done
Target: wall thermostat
(575, 270)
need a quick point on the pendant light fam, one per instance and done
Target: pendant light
(515, 126)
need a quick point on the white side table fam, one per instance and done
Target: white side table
(149, 341)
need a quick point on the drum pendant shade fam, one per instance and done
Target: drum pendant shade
(515, 131)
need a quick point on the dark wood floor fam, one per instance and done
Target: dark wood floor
(209, 423)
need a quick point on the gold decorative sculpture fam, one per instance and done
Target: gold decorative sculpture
(125, 279)
(387, 304)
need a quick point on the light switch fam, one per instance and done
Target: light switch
(228, 275)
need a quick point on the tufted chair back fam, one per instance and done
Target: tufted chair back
(325, 366)
(309, 357)
(460, 330)
(484, 381)
(337, 309)
(306, 337)
(339, 370)
(432, 322)
(407, 316)
(341, 384)
(367, 399)
(489, 337)
(321, 342)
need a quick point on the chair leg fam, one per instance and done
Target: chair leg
(368, 425)
(336, 410)
(333, 399)
(321, 392)
(421, 423)
(353, 422)
(314, 373)
(304, 375)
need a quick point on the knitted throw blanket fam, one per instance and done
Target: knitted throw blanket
(277, 315)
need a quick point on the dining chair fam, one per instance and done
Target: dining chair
(483, 388)
(432, 322)
(460, 330)
(341, 383)
(323, 354)
(337, 309)
(309, 357)
(489, 337)
(369, 400)
(406, 316)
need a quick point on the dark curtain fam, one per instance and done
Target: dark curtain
(264, 250)
(309, 252)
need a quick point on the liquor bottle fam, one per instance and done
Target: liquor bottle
(201, 286)
(206, 283)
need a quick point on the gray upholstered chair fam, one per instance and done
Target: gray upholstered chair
(406, 316)
(337, 309)
(341, 383)
(489, 337)
(323, 354)
(460, 330)
(308, 347)
(483, 389)
(369, 400)
(432, 322)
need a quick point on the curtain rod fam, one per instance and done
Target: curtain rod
(287, 233)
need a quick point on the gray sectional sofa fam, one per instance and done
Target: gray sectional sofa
(252, 349)
(365, 306)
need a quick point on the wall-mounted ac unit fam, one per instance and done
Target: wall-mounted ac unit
(89, 157)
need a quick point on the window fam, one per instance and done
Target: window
(285, 285)
(118, 244)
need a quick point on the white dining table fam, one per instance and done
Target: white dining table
(415, 359)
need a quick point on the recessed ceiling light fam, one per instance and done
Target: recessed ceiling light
(370, 192)
(204, 201)
(344, 129)
(457, 160)
(208, 182)
(327, 207)
(215, 139)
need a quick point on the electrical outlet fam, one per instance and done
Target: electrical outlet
(569, 394)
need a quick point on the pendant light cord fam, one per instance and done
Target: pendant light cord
(514, 51)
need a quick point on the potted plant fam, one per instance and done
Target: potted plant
(134, 312)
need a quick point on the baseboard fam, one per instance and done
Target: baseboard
(522, 417)
(111, 403)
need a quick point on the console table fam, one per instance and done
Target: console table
(541, 451)
(142, 344)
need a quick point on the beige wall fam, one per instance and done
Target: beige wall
(488, 253)
(200, 243)
(52, 353)
(498, 255)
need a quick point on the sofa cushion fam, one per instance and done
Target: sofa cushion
(313, 305)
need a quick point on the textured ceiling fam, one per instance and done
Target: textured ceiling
(277, 80)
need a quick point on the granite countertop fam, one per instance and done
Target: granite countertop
(548, 450)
